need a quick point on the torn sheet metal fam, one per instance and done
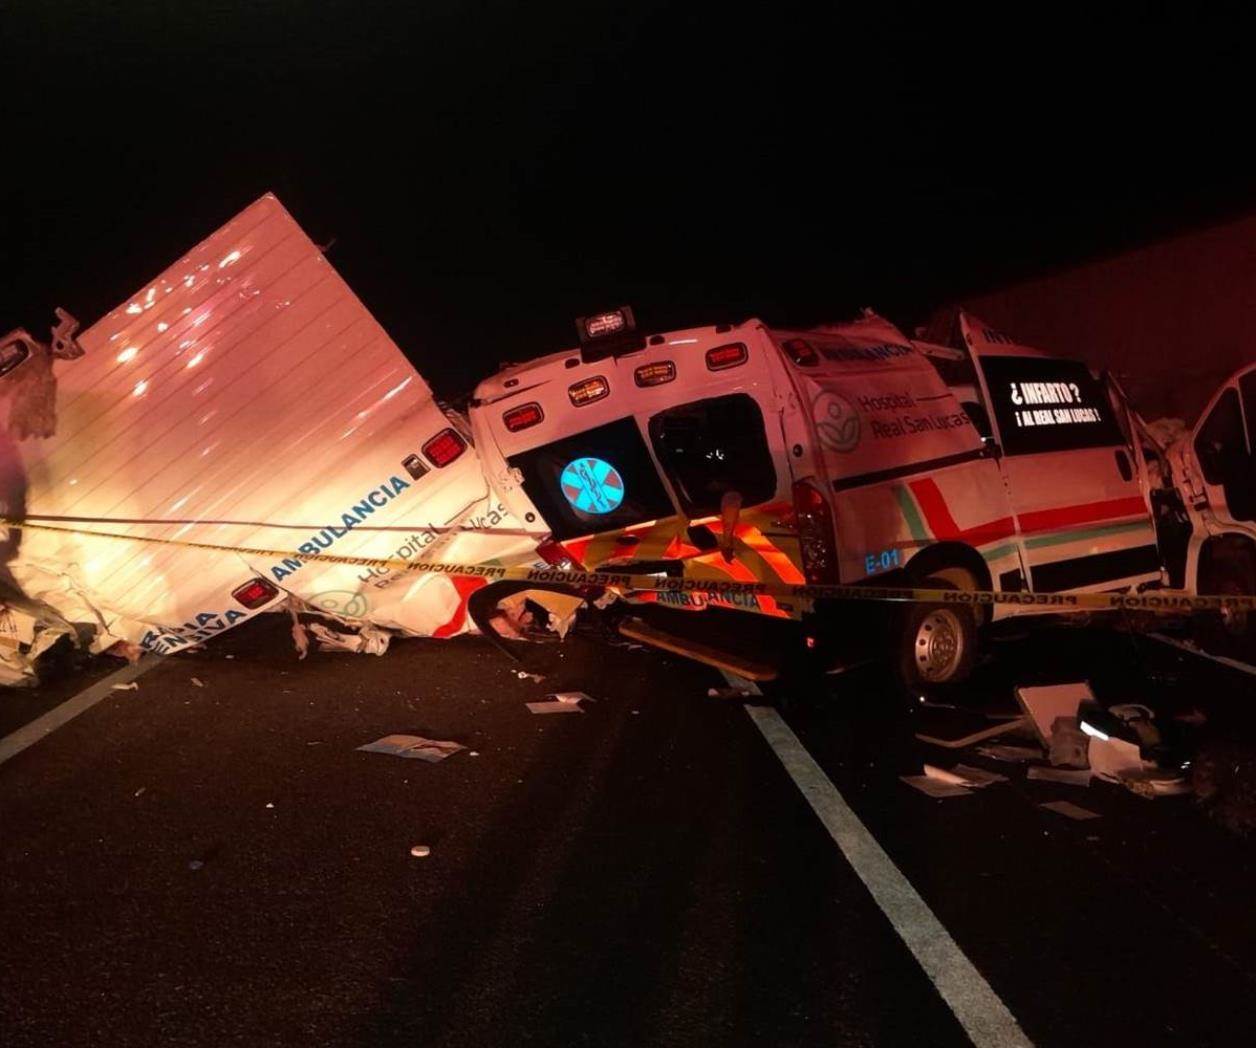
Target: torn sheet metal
(244, 397)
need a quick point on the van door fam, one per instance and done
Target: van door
(1080, 509)
(1224, 445)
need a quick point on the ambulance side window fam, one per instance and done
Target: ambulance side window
(1225, 458)
(710, 447)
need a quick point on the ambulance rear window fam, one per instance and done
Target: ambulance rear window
(1043, 404)
(713, 446)
(600, 480)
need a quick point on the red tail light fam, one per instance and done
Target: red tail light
(443, 448)
(555, 554)
(522, 417)
(816, 535)
(254, 593)
(733, 355)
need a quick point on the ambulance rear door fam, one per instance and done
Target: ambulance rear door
(1080, 509)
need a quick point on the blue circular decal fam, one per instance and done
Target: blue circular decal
(592, 486)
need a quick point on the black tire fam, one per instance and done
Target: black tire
(935, 645)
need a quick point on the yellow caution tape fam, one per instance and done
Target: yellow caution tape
(1169, 602)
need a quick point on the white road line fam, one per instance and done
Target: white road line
(980, 1011)
(1234, 664)
(27, 735)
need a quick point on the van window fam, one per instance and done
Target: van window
(1042, 404)
(1221, 448)
(599, 480)
(710, 447)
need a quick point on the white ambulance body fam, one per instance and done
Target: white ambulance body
(246, 398)
(853, 460)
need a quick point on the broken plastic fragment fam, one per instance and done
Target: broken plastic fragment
(554, 707)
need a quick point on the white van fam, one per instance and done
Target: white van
(847, 454)
(1213, 470)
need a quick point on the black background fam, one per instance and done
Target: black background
(491, 170)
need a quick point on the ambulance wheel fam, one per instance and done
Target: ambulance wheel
(936, 643)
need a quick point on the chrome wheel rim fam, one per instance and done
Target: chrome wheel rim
(938, 645)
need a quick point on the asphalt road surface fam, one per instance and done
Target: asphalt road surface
(220, 865)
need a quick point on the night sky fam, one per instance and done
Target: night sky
(489, 171)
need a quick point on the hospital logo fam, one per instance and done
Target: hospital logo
(837, 422)
(592, 485)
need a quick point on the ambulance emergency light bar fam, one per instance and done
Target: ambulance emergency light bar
(609, 334)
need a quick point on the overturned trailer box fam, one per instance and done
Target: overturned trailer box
(244, 399)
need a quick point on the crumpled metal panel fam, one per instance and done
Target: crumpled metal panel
(246, 397)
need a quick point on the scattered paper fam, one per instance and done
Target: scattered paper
(126, 687)
(1068, 776)
(414, 747)
(554, 707)
(1009, 753)
(1069, 809)
(934, 787)
(977, 776)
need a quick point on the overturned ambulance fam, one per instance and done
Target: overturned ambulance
(849, 454)
(245, 398)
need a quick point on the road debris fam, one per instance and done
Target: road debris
(1068, 744)
(728, 693)
(554, 707)
(1002, 751)
(126, 687)
(963, 775)
(369, 640)
(571, 697)
(1067, 776)
(1070, 810)
(933, 787)
(525, 675)
(420, 851)
(413, 747)
(1042, 705)
(198, 682)
(955, 728)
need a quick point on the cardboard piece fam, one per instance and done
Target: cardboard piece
(1042, 705)
(554, 707)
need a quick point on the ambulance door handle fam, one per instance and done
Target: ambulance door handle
(1123, 465)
